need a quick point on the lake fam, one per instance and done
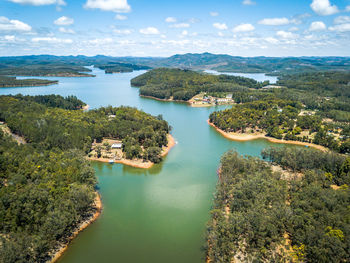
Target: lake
(257, 76)
(157, 215)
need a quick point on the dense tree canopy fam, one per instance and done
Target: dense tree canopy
(260, 217)
(181, 84)
(74, 129)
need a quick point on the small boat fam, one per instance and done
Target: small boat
(111, 161)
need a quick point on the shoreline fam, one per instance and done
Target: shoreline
(249, 137)
(139, 163)
(29, 85)
(64, 246)
(167, 100)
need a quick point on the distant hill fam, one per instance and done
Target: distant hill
(219, 62)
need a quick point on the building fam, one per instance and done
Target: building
(229, 96)
(117, 145)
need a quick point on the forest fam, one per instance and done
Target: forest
(6, 82)
(45, 194)
(178, 84)
(117, 67)
(260, 216)
(47, 185)
(48, 127)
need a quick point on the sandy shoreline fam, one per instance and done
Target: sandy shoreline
(248, 137)
(139, 163)
(60, 251)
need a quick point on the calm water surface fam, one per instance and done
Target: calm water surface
(157, 215)
(257, 76)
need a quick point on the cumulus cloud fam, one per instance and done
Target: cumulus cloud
(149, 31)
(120, 17)
(101, 41)
(342, 20)
(171, 19)
(347, 9)
(122, 31)
(285, 35)
(293, 29)
(66, 30)
(39, 2)
(9, 38)
(243, 28)
(13, 25)
(340, 28)
(248, 2)
(271, 40)
(220, 26)
(317, 26)
(214, 13)
(180, 25)
(52, 40)
(274, 21)
(119, 6)
(64, 21)
(323, 7)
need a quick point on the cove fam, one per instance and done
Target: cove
(156, 215)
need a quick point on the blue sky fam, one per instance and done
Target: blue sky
(167, 27)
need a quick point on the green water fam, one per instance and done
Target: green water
(155, 215)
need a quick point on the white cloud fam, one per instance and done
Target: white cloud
(220, 26)
(119, 6)
(274, 21)
(180, 25)
(171, 19)
(323, 7)
(342, 20)
(39, 2)
(64, 21)
(184, 33)
(347, 9)
(9, 38)
(248, 2)
(120, 17)
(220, 34)
(317, 26)
(271, 40)
(101, 41)
(66, 30)
(122, 31)
(340, 28)
(149, 31)
(285, 35)
(13, 25)
(52, 40)
(243, 28)
(214, 13)
(293, 29)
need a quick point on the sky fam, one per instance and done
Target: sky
(168, 27)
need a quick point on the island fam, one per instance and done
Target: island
(118, 67)
(8, 82)
(292, 208)
(196, 88)
(47, 183)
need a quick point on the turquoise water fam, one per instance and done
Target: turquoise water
(157, 215)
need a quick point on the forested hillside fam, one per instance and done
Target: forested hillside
(14, 82)
(260, 215)
(142, 134)
(181, 84)
(47, 187)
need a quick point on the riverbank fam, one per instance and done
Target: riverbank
(138, 163)
(249, 137)
(64, 246)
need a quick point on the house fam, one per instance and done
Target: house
(229, 96)
(111, 116)
(117, 145)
